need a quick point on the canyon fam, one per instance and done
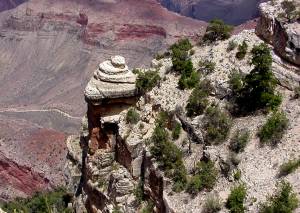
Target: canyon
(48, 52)
(232, 12)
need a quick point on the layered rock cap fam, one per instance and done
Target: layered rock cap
(111, 80)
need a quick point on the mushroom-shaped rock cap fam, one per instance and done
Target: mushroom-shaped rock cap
(112, 80)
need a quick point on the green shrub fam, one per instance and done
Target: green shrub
(283, 201)
(147, 80)
(207, 66)
(239, 140)
(168, 154)
(176, 131)
(235, 201)
(41, 203)
(205, 177)
(139, 192)
(258, 90)
(180, 55)
(188, 81)
(132, 116)
(217, 125)
(183, 65)
(148, 208)
(212, 204)
(217, 30)
(235, 82)
(194, 185)
(242, 50)
(237, 175)
(198, 100)
(289, 167)
(182, 44)
(207, 173)
(273, 130)
(231, 46)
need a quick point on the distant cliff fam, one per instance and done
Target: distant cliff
(9, 4)
(232, 12)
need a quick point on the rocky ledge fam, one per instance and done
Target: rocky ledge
(281, 27)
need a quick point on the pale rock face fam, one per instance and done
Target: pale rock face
(283, 35)
(113, 79)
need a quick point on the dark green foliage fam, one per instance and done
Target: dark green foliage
(176, 131)
(231, 46)
(235, 201)
(167, 154)
(283, 201)
(237, 175)
(212, 204)
(132, 116)
(183, 44)
(205, 177)
(198, 100)
(188, 80)
(148, 208)
(139, 192)
(273, 130)
(235, 82)
(146, 81)
(207, 66)
(180, 55)
(239, 140)
(41, 203)
(289, 167)
(217, 125)
(183, 65)
(194, 185)
(217, 30)
(242, 50)
(258, 91)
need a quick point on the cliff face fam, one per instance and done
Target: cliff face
(232, 12)
(9, 4)
(105, 167)
(275, 27)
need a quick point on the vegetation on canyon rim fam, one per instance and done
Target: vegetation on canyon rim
(283, 201)
(250, 93)
(49, 202)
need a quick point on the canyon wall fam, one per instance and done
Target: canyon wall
(49, 48)
(232, 12)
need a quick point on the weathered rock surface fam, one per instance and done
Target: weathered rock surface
(282, 33)
(49, 49)
(113, 171)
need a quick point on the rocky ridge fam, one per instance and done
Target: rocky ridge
(114, 165)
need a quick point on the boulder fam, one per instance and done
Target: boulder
(282, 33)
